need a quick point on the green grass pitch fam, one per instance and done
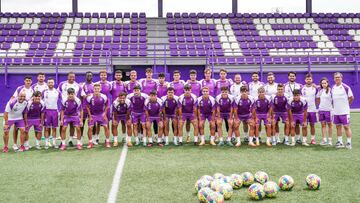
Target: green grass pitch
(168, 174)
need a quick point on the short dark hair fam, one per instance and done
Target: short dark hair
(176, 71)
(71, 73)
(41, 73)
(192, 72)
(308, 75)
(292, 72)
(224, 88)
(153, 92)
(270, 74)
(71, 90)
(37, 94)
(161, 75)
(97, 85)
(243, 88)
(170, 89)
(137, 87)
(118, 71)
(223, 70)
(27, 77)
(255, 73)
(50, 78)
(297, 92)
(148, 70)
(187, 87)
(88, 72)
(280, 85)
(122, 94)
(207, 70)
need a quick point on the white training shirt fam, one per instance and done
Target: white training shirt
(340, 95)
(253, 88)
(15, 109)
(38, 87)
(271, 90)
(64, 86)
(326, 103)
(235, 88)
(309, 93)
(51, 98)
(28, 92)
(290, 87)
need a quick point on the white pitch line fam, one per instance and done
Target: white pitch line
(117, 177)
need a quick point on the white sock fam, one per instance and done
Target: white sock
(136, 139)
(202, 137)
(46, 141)
(221, 139)
(175, 138)
(166, 139)
(144, 140)
(159, 140)
(212, 138)
(257, 139)
(348, 140)
(228, 139)
(293, 139)
(128, 138)
(273, 138)
(286, 138)
(312, 137)
(150, 139)
(37, 142)
(54, 141)
(63, 142)
(180, 139)
(79, 142)
(251, 139)
(238, 140)
(268, 139)
(304, 139)
(297, 137)
(340, 139)
(26, 143)
(115, 138)
(196, 139)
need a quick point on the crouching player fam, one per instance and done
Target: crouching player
(153, 106)
(280, 108)
(187, 112)
(224, 103)
(170, 104)
(298, 116)
(206, 111)
(34, 115)
(71, 114)
(262, 111)
(121, 113)
(97, 108)
(13, 115)
(242, 114)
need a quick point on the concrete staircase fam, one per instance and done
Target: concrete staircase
(157, 37)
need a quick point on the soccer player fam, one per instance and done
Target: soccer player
(51, 98)
(222, 82)
(71, 113)
(255, 84)
(170, 109)
(162, 86)
(325, 103)
(224, 102)
(34, 115)
(342, 98)
(206, 105)
(177, 84)
(129, 85)
(121, 113)
(242, 114)
(187, 111)
(117, 86)
(262, 111)
(309, 92)
(271, 85)
(13, 115)
(88, 88)
(137, 105)
(148, 84)
(153, 106)
(280, 111)
(41, 84)
(209, 82)
(236, 86)
(106, 90)
(298, 116)
(97, 108)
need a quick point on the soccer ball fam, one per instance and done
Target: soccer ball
(261, 177)
(313, 181)
(204, 193)
(215, 197)
(271, 189)
(256, 191)
(227, 179)
(248, 178)
(201, 183)
(218, 176)
(207, 177)
(236, 181)
(226, 190)
(286, 182)
(215, 184)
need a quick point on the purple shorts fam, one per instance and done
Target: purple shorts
(36, 123)
(186, 117)
(281, 115)
(97, 119)
(153, 119)
(51, 119)
(225, 116)
(262, 117)
(204, 117)
(342, 119)
(246, 117)
(75, 120)
(138, 117)
(311, 117)
(121, 118)
(325, 116)
(17, 123)
(298, 119)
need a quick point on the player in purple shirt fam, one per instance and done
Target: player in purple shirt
(187, 111)
(222, 82)
(206, 111)
(129, 85)
(71, 113)
(34, 115)
(121, 113)
(153, 106)
(177, 84)
(97, 106)
(262, 111)
(117, 86)
(242, 113)
(209, 82)
(170, 109)
(162, 86)
(224, 106)
(87, 88)
(148, 84)
(280, 108)
(297, 115)
(137, 101)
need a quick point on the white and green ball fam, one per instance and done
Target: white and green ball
(218, 176)
(313, 181)
(248, 178)
(236, 181)
(201, 183)
(215, 184)
(207, 177)
(271, 189)
(215, 197)
(227, 179)
(204, 193)
(261, 177)
(226, 190)
(256, 191)
(286, 182)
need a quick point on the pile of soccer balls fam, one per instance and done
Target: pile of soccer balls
(217, 188)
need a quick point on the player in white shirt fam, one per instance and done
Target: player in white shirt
(271, 85)
(342, 99)
(324, 101)
(255, 84)
(13, 115)
(309, 92)
(41, 84)
(235, 87)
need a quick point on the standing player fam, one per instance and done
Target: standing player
(129, 85)
(88, 88)
(298, 116)
(13, 115)
(342, 99)
(162, 86)
(271, 85)
(206, 104)
(51, 98)
(224, 109)
(325, 102)
(236, 86)
(280, 111)
(255, 84)
(121, 113)
(262, 111)
(170, 109)
(242, 114)
(71, 113)
(309, 92)
(97, 108)
(34, 115)
(117, 86)
(187, 111)
(153, 106)
(148, 84)
(41, 84)
(209, 82)
(177, 84)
